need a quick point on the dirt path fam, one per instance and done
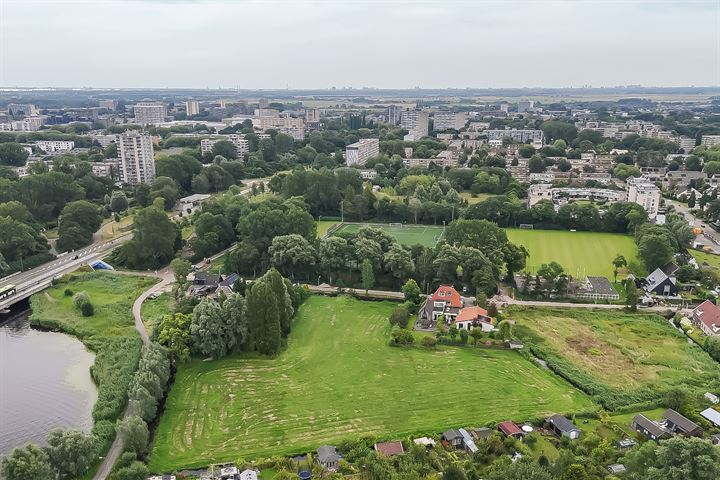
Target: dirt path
(116, 448)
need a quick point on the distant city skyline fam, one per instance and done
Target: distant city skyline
(393, 44)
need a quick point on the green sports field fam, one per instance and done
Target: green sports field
(580, 253)
(427, 235)
(339, 378)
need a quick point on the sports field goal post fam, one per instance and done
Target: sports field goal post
(395, 225)
(526, 226)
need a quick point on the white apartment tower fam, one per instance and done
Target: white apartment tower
(642, 191)
(192, 107)
(710, 140)
(137, 159)
(149, 113)
(359, 152)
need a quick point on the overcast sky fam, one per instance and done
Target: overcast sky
(385, 44)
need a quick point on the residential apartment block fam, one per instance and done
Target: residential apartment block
(642, 191)
(710, 140)
(137, 159)
(449, 121)
(416, 123)
(270, 119)
(519, 136)
(52, 146)
(241, 144)
(359, 152)
(149, 113)
(108, 104)
(192, 107)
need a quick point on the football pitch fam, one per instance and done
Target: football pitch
(580, 253)
(427, 235)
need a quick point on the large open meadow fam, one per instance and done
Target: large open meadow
(626, 358)
(339, 378)
(580, 253)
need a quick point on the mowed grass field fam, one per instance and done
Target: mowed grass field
(324, 225)
(427, 235)
(580, 253)
(339, 378)
(624, 352)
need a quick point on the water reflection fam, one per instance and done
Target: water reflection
(44, 384)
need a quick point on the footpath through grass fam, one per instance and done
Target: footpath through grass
(623, 359)
(580, 253)
(339, 378)
(110, 333)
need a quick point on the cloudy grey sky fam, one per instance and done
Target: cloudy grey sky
(386, 44)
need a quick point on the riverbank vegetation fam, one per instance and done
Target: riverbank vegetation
(109, 332)
(339, 379)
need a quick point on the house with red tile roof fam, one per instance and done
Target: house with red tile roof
(474, 317)
(389, 449)
(706, 317)
(445, 301)
(509, 429)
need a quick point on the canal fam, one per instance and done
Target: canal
(45, 382)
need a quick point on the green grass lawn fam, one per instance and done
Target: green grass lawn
(324, 225)
(428, 235)
(707, 260)
(631, 355)
(339, 378)
(153, 310)
(580, 253)
(111, 294)
(472, 200)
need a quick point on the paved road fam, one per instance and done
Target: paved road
(34, 280)
(116, 448)
(709, 238)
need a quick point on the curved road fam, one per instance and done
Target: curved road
(116, 448)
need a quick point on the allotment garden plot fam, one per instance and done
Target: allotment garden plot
(624, 359)
(339, 378)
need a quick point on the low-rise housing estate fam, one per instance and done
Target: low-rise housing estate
(706, 317)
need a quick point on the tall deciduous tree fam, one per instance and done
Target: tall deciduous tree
(263, 319)
(368, 276)
(134, 432)
(71, 453)
(28, 463)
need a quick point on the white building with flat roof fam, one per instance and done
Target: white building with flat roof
(359, 152)
(710, 140)
(52, 146)
(149, 113)
(137, 158)
(242, 146)
(519, 136)
(642, 191)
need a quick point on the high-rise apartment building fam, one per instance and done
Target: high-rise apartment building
(525, 105)
(149, 113)
(312, 115)
(645, 193)
(108, 104)
(359, 152)
(393, 115)
(416, 123)
(137, 159)
(192, 107)
(449, 121)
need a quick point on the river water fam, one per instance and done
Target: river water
(45, 383)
